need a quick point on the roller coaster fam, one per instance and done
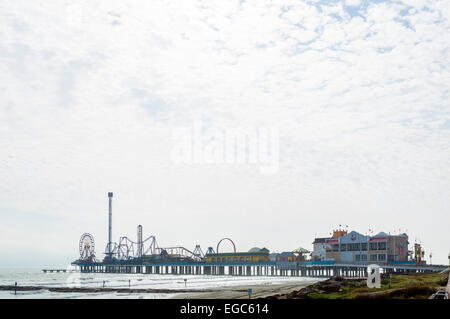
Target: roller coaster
(128, 249)
(147, 257)
(148, 250)
(141, 250)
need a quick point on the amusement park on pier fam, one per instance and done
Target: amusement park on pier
(343, 254)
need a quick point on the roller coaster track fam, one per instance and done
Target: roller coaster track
(181, 252)
(128, 249)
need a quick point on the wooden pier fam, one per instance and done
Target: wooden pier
(60, 270)
(253, 269)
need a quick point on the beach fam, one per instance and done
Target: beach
(241, 292)
(34, 284)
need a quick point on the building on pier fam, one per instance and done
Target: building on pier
(319, 249)
(320, 245)
(419, 253)
(252, 256)
(342, 254)
(356, 248)
(287, 256)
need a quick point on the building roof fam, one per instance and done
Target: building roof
(287, 254)
(320, 240)
(301, 250)
(239, 254)
(380, 234)
(353, 237)
(256, 249)
(338, 233)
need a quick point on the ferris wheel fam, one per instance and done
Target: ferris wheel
(87, 246)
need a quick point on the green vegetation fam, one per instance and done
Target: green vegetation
(242, 290)
(414, 286)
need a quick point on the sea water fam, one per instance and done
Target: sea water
(36, 277)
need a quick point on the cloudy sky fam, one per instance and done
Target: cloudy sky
(92, 91)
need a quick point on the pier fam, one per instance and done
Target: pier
(59, 270)
(97, 290)
(343, 254)
(254, 269)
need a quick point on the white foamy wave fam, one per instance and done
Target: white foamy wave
(143, 281)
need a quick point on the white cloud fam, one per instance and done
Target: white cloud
(352, 3)
(90, 93)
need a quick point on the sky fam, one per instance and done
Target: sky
(93, 92)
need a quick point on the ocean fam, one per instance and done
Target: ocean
(35, 277)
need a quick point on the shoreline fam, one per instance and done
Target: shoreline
(97, 290)
(224, 292)
(396, 286)
(241, 291)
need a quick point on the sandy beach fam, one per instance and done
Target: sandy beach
(241, 292)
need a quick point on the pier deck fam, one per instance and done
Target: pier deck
(59, 270)
(253, 269)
